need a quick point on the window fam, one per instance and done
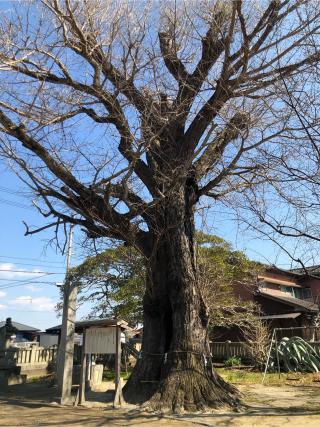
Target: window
(297, 292)
(287, 289)
(307, 293)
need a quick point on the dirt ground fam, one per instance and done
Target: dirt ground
(33, 405)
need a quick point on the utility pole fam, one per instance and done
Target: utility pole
(66, 347)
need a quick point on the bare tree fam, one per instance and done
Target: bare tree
(123, 116)
(257, 337)
(290, 212)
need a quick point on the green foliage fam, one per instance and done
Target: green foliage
(110, 374)
(114, 281)
(233, 361)
(296, 355)
(222, 272)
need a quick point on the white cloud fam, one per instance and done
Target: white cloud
(10, 271)
(32, 288)
(37, 304)
(2, 306)
(21, 300)
(2, 294)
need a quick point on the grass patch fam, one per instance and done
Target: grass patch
(42, 378)
(240, 376)
(110, 375)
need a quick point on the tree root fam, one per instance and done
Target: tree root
(191, 391)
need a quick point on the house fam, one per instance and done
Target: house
(24, 334)
(286, 298)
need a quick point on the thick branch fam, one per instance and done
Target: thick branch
(170, 57)
(215, 148)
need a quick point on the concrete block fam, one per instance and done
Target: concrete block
(96, 375)
(11, 378)
(14, 379)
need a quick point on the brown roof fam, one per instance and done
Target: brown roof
(281, 316)
(313, 270)
(83, 324)
(294, 302)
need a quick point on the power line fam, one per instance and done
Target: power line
(31, 280)
(22, 280)
(11, 191)
(28, 271)
(26, 282)
(15, 204)
(32, 311)
(15, 285)
(31, 259)
(36, 265)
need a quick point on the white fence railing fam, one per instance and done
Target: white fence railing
(33, 355)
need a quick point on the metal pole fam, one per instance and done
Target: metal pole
(269, 354)
(118, 397)
(277, 351)
(82, 385)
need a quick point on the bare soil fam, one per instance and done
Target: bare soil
(34, 405)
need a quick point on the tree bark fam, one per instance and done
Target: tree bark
(175, 371)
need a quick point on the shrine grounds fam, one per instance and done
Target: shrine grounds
(293, 400)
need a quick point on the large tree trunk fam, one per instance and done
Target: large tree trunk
(175, 370)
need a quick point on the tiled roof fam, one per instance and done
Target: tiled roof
(81, 325)
(295, 302)
(21, 327)
(313, 270)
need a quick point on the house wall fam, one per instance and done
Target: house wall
(245, 293)
(287, 279)
(273, 307)
(314, 284)
(47, 340)
(273, 289)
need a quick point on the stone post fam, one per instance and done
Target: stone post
(6, 333)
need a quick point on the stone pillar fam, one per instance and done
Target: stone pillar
(67, 345)
(6, 333)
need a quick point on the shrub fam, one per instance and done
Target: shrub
(233, 361)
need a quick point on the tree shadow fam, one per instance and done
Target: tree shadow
(35, 394)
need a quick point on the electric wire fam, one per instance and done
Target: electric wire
(18, 281)
(15, 204)
(34, 265)
(28, 271)
(26, 282)
(11, 191)
(31, 259)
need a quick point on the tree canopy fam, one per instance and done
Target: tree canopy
(114, 282)
(107, 107)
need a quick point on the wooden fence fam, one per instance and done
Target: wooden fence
(224, 350)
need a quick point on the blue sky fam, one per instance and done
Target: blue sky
(30, 268)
